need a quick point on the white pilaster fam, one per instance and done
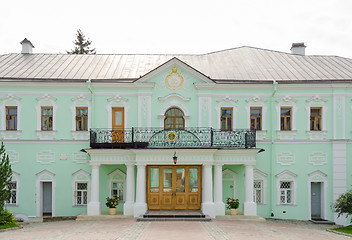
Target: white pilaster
(94, 206)
(219, 204)
(208, 206)
(140, 207)
(128, 206)
(339, 175)
(250, 207)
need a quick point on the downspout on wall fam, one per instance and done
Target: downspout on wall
(92, 101)
(275, 84)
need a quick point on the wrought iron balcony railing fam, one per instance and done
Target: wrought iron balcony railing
(172, 138)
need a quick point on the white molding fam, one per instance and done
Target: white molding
(80, 157)
(80, 101)
(317, 158)
(13, 101)
(285, 158)
(230, 102)
(317, 101)
(286, 101)
(172, 63)
(14, 156)
(174, 95)
(204, 110)
(257, 101)
(112, 175)
(233, 178)
(174, 104)
(117, 98)
(45, 157)
(80, 176)
(286, 176)
(45, 176)
(261, 176)
(318, 176)
(42, 102)
(117, 102)
(144, 111)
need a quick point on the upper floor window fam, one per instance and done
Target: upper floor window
(226, 119)
(315, 118)
(47, 118)
(256, 118)
(174, 119)
(81, 119)
(285, 116)
(11, 118)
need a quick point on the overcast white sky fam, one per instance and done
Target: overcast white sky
(182, 26)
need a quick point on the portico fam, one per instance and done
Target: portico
(210, 163)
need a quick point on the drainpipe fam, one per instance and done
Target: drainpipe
(92, 103)
(272, 197)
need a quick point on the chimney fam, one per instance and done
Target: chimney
(298, 48)
(26, 46)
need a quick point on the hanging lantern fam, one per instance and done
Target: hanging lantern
(174, 158)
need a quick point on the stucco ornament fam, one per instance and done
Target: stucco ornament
(174, 80)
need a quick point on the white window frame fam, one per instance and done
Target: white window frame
(318, 176)
(80, 176)
(286, 102)
(227, 102)
(286, 176)
(174, 104)
(260, 176)
(84, 102)
(46, 101)
(117, 176)
(82, 191)
(117, 102)
(10, 101)
(15, 178)
(257, 102)
(317, 102)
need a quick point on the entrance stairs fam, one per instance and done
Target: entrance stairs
(174, 215)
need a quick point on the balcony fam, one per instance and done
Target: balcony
(159, 138)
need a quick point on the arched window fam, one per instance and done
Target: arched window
(174, 119)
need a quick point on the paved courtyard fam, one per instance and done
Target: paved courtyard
(129, 229)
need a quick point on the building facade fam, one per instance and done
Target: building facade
(272, 129)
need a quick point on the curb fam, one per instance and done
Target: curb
(340, 233)
(11, 229)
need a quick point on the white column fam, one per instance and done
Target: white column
(94, 206)
(219, 204)
(250, 207)
(128, 206)
(140, 207)
(208, 206)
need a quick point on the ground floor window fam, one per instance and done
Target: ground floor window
(117, 189)
(81, 193)
(286, 193)
(258, 191)
(13, 187)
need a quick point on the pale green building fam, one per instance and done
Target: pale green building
(272, 129)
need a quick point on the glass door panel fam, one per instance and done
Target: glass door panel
(193, 180)
(154, 180)
(180, 179)
(167, 180)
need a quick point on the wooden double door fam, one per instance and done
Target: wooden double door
(174, 187)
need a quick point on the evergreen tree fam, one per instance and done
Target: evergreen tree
(5, 177)
(82, 45)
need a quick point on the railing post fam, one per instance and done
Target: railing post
(246, 140)
(211, 136)
(132, 135)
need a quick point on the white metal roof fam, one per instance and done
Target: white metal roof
(237, 64)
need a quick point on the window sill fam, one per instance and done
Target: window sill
(85, 205)
(10, 134)
(11, 204)
(316, 135)
(46, 135)
(286, 135)
(80, 135)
